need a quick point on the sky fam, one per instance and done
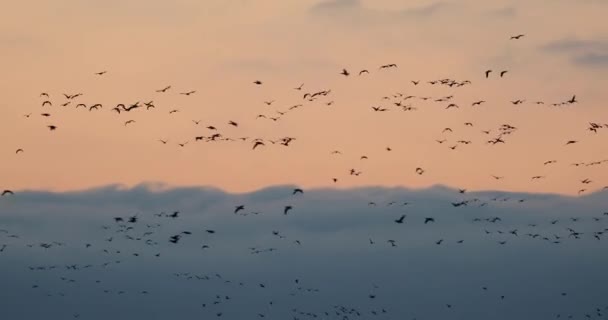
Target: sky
(238, 165)
(333, 242)
(218, 48)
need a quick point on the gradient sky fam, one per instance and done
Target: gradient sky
(219, 47)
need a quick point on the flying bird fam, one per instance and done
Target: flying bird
(386, 66)
(164, 89)
(258, 143)
(286, 209)
(400, 220)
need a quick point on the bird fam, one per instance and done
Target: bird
(7, 192)
(47, 102)
(386, 66)
(101, 73)
(52, 127)
(127, 109)
(286, 209)
(18, 150)
(297, 190)
(502, 73)
(488, 73)
(516, 37)
(128, 122)
(164, 89)
(188, 93)
(239, 208)
(379, 109)
(300, 87)
(400, 220)
(345, 73)
(258, 143)
(427, 220)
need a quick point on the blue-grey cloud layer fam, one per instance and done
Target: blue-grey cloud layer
(335, 264)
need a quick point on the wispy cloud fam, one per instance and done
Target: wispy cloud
(592, 59)
(505, 12)
(355, 8)
(583, 52)
(334, 5)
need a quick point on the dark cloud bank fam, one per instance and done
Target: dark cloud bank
(337, 268)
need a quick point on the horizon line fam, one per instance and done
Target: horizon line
(157, 186)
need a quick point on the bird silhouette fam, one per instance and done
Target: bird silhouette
(286, 209)
(400, 220)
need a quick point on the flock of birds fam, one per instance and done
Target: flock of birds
(133, 229)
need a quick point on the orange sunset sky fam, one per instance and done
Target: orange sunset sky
(219, 47)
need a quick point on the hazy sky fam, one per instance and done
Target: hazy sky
(219, 47)
(335, 263)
